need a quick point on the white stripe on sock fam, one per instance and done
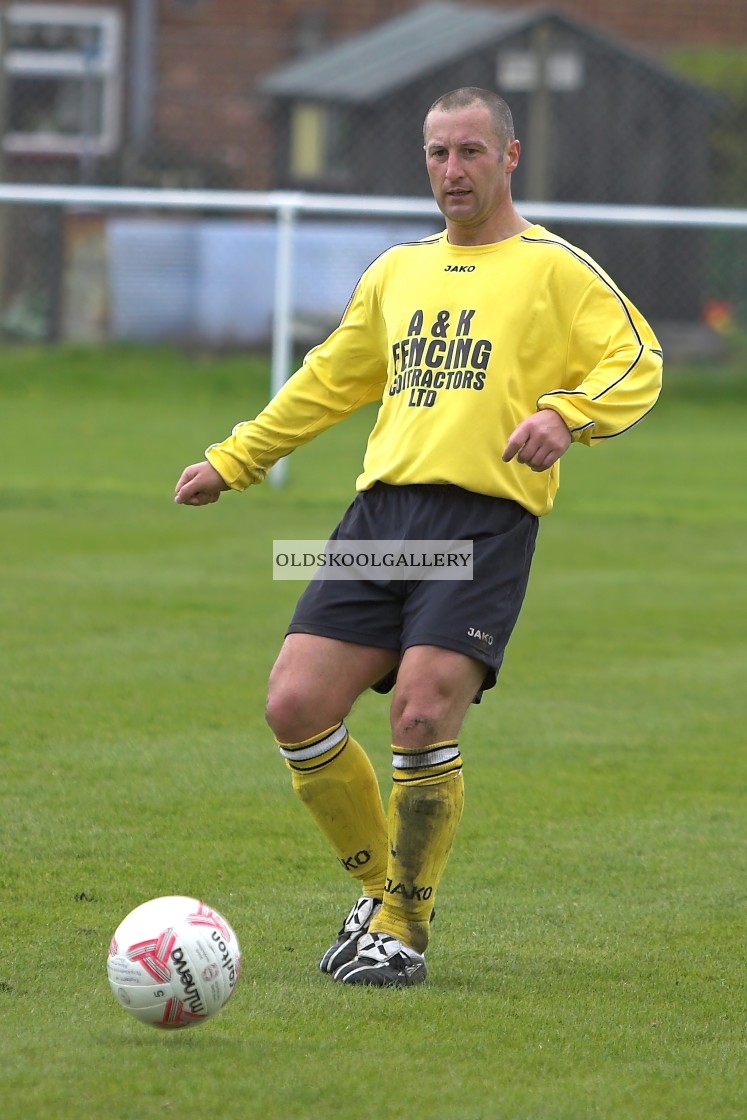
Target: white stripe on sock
(424, 758)
(314, 750)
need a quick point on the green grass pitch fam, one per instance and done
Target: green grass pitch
(589, 955)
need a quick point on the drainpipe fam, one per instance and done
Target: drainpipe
(142, 70)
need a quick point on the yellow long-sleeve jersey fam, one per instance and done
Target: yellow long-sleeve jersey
(460, 344)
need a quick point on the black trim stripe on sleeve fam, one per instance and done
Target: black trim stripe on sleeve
(612, 435)
(610, 287)
(618, 297)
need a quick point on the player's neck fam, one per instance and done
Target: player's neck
(501, 225)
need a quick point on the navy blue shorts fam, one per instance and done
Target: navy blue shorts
(474, 617)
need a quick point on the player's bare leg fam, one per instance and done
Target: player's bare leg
(315, 682)
(434, 690)
(313, 686)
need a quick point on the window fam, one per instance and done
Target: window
(519, 71)
(63, 79)
(319, 142)
(307, 141)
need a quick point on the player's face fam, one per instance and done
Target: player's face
(469, 169)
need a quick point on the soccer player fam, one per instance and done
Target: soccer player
(492, 347)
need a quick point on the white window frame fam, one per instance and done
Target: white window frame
(105, 67)
(520, 71)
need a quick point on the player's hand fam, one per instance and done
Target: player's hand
(539, 441)
(199, 485)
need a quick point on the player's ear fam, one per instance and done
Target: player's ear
(513, 151)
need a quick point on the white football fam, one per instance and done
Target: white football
(173, 962)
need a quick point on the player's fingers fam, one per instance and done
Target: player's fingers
(201, 498)
(543, 461)
(552, 451)
(183, 494)
(515, 443)
(197, 486)
(190, 493)
(530, 451)
(186, 477)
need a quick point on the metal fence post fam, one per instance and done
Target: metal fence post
(282, 323)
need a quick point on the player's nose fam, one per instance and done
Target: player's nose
(454, 169)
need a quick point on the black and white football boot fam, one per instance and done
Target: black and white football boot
(353, 928)
(382, 961)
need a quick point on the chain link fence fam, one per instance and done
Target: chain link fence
(601, 122)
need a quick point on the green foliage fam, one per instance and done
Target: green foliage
(724, 70)
(588, 956)
(720, 67)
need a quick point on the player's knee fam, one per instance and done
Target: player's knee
(287, 713)
(294, 711)
(419, 719)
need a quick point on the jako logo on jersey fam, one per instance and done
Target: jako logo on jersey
(481, 635)
(459, 268)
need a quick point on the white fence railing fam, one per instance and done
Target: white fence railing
(288, 206)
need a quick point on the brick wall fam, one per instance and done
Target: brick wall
(661, 23)
(641, 21)
(211, 52)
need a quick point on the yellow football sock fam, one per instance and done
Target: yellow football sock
(424, 811)
(334, 778)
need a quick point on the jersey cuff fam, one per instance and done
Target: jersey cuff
(235, 473)
(578, 423)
